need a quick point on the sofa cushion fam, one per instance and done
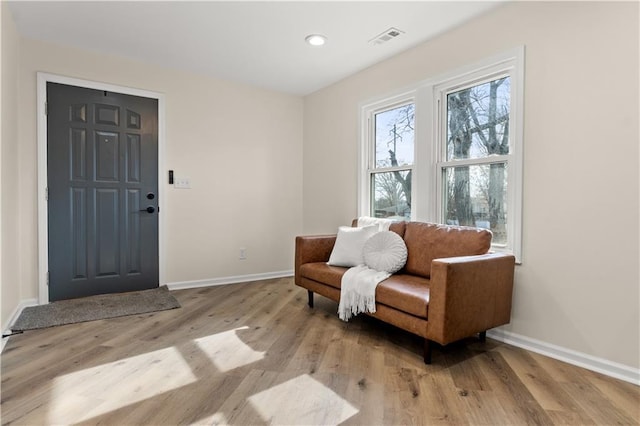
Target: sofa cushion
(428, 241)
(385, 251)
(407, 293)
(398, 228)
(347, 250)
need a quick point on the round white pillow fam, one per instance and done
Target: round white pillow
(385, 251)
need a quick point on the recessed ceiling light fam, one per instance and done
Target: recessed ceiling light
(315, 39)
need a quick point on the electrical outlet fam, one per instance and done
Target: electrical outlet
(182, 183)
(243, 253)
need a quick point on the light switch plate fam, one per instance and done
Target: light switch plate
(182, 183)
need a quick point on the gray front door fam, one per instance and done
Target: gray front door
(102, 162)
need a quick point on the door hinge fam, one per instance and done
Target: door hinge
(47, 278)
(46, 108)
(46, 193)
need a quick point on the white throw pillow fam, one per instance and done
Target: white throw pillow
(385, 251)
(347, 250)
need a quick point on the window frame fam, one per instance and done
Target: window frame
(367, 150)
(513, 160)
(427, 184)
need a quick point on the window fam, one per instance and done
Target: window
(474, 156)
(390, 159)
(450, 151)
(478, 159)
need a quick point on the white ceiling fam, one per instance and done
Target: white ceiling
(259, 43)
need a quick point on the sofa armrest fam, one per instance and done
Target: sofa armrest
(312, 248)
(468, 295)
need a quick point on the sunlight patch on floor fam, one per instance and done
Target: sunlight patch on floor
(227, 351)
(217, 419)
(304, 399)
(79, 395)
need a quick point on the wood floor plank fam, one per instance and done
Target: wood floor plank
(255, 353)
(624, 396)
(465, 370)
(367, 395)
(554, 399)
(596, 405)
(439, 399)
(312, 348)
(518, 403)
(489, 408)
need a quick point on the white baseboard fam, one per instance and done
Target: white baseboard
(600, 365)
(14, 316)
(228, 280)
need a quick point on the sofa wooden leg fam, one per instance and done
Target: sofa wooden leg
(427, 351)
(482, 336)
(310, 294)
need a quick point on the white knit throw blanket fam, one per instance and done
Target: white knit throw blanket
(358, 291)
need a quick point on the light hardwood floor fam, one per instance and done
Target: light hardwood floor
(255, 353)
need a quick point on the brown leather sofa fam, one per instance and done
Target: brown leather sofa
(450, 288)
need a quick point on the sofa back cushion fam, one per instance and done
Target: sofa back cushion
(428, 241)
(398, 228)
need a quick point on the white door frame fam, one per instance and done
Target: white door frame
(43, 239)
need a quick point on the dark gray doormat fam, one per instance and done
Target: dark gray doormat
(95, 308)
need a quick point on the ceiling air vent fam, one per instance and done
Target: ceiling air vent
(385, 36)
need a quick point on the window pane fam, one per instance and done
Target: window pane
(477, 196)
(478, 120)
(394, 137)
(391, 194)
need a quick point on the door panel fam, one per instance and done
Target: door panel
(102, 162)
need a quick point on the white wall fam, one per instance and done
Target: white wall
(578, 286)
(10, 292)
(241, 147)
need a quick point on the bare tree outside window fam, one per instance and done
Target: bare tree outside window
(394, 158)
(478, 128)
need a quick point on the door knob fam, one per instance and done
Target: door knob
(149, 209)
